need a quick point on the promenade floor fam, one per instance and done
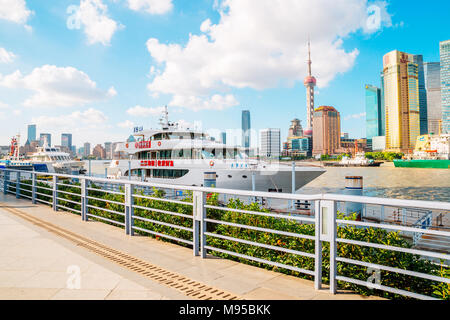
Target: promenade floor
(39, 264)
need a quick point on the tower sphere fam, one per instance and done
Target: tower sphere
(310, 80)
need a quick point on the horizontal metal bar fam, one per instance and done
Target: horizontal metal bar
(392, 248)
(163, 235)
(105, 219)
(396, 270)
(385, 288)
(69, 209)
(40, 200)
(45, 182)
(393, 227)
(104, 209)
(284, 233)
(44, 195)
(276, 264)
(104, 200)
(165, 200)
(70, 193)
(25, 190)
(261, 213)
(45, 188)
(70, 201)
(25, 196)
(162, 223)
(25, 184)
(164, 211)
(261, 245)
(69, 185)
(106, 191)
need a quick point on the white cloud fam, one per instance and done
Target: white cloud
(98, 27)
(355, 116)
(140, 111)
(151, 6)
(14, 11)
(56, 87)
(258, 44)
(91, 118)
(127, 124)
(6, 56)
(3, 105)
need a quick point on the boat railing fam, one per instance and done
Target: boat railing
(325, 241)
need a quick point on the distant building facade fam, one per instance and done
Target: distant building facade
(99, 152)
(401, 99)
(45, 137)
(66, 141)
(327, 131)
(423, 110)
(246, 126)
(374, 112)
(432, 74)
(108, 150)
(223, 137)
(31, 133)
(270, 143)
(445, 85)
(87, 149)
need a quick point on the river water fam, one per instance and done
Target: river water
(385, 181)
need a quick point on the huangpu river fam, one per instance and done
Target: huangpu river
(385, 181)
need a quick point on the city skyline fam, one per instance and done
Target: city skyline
(108, 103)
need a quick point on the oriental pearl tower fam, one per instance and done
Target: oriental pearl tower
(310, 83)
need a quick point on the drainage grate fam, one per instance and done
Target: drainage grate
(186, 286)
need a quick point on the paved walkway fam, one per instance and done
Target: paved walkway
(38, 264)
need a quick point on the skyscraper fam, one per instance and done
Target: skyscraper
(432, 74)
(87, 149)
(223, 137)
(327, 131)
(310, 82)
(31, 133)
(445, 84)
(246, 129)
(418, 59)
(45, 137)
(108, 150)
(374, 112)
(295, 130)
(66, 140)
(270, 143)
(401, 99)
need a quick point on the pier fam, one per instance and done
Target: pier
(59, 228)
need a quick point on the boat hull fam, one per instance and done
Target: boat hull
(426, 164)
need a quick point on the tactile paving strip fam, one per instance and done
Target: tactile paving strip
(186, 286)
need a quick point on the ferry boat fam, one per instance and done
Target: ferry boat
(182, 156)
(13, 160)
(359, 160)
(432, 151)
(53, 160)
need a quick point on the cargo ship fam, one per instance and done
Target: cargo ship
(432, 151)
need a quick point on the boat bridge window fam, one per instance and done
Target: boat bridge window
(169, 173)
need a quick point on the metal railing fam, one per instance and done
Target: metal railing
(137, 207)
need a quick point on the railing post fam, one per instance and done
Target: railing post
(84, 208)
(55, 193)
(33, 188)
(196, 218)
(318, 249)
(129, 189)
(202, 212)
(5, 181)
(18, 184)
(328, 233)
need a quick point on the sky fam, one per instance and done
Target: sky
(98, 68)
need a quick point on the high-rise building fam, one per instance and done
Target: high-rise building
(223, 137)
(31, 133)
(87, 149)
(246, 129)
(418, 59)
(445, 85)
(401, 100)
(383, 107)
(99, 152)
(66, 140)
(295, 130)
(74, 150)
(108, 150)
(270, 143)
(309, 82)
(432, 74)
(374, 112)
(45, 138)
(327, 131)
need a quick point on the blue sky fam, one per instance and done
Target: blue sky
(100, 79)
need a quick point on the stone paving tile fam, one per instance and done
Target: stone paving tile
(80, 294)
(267, 294)
(27, 293)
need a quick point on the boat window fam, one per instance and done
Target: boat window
(169, 173)
(165, 154)
(207, 155)
(244, 176)
(230, 176)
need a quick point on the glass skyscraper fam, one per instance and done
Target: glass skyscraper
(31, 132)
(246, 128)
(418, 59)
(432, 72)
(374, 112)
(445, 85)
(66, 140)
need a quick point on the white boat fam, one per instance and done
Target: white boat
(14, 160)
(180, 156)
(359, 160)
(52, 159)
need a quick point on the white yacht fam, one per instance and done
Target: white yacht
(52, 159)
(182, 156)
